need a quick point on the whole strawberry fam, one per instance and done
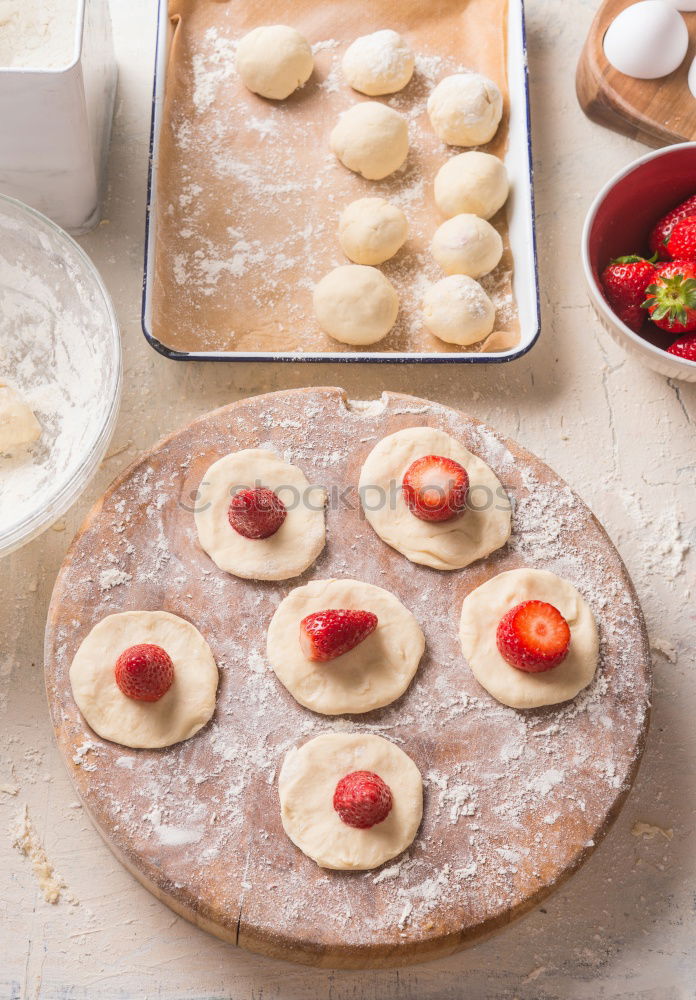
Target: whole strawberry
(256, 513)
(671, 298)
(625, 281)
(685, 348)
(144, 672)
(362, 799)
(662, 231)
(681, 244)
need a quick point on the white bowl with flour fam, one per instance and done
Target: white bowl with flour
(60, 348)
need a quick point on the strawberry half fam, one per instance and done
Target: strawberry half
(362, 799)
(533, 636)
(671, 299)
(685, 347)
(681, 244)
(326, 635)
(144, 672)
(660, 235)
(435, 488)
(256, 513)
(624, 281)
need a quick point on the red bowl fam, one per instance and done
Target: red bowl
(619, 222)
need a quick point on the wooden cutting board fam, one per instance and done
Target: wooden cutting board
(514, 801)
(657, 112)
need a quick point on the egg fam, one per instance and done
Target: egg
(692, 77)
(647, 40)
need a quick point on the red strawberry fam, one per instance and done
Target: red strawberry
(685, 347)
(435, 488)
(325, 635)
(662, 231)
(681, 244)
(256, 513)
(671, 299)
(362, 799)
(625, 280)
(144, 672)
(533, 636)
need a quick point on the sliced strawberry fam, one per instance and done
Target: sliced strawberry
(671, 299)
(144, 672)
(660, 235)
(685, 347)
(362, 799)
(681, 244)
(325, 635)
(533, 636)
(435, 488)
(256, 513)
(624, 281)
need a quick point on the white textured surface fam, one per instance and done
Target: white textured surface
(620, 434)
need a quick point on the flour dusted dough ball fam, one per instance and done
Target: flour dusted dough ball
(274, 61)
(458, 310)
(465, 109)
(471, 182)
(18, 425)
(371, 230)
(356, 304)
(466, 244)
(307, 782)
(485, 606)
(380, 63)
(186, 707)
(371, 139)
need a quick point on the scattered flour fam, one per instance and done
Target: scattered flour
(40, 34)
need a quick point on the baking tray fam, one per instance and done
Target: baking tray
(519, 211)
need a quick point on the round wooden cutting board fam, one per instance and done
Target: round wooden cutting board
(514, 801)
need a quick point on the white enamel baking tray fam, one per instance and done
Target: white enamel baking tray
(520, 210)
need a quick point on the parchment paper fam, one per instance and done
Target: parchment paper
(249, 194)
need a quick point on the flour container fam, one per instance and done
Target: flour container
(57, 88)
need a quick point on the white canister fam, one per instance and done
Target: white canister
(55, 120)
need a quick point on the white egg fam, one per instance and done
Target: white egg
(682, 4)
(692, 77)
(647, 40)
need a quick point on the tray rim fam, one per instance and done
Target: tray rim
(163, 36)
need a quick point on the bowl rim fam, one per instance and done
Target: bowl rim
(57, 505)
(598, 299)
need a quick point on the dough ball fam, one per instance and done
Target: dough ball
(274, 61)
(186, 707)
(18, 425)
(373, 674)
(298, 541)
(465, 109)
(445, 545)
(306, 785)
(356, 304)
(471, 182)
(371, 230)
(485, 606)
(380, 63)
(458, 310)
(371, 139)
(466, 244)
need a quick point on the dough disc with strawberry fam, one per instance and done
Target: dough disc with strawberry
(479, 528)
(482, 612)
(279, 516)
(146, 718)
(308, 784)
(373, 671)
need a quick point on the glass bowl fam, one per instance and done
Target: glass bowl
(60, 348)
